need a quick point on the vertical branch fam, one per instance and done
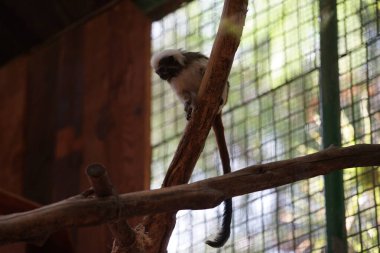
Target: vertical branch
(124, 236)
(192, 142)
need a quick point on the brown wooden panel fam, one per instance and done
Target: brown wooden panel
(40, 123)
(128, 100)
(116, 105)
(83, 98)
(12, 203)
(166, 8)
(69, 111)
(12, 112)
(117, 96)
(13, 248)
(96, 42)
(95, 90)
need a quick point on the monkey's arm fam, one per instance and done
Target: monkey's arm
(225, 230)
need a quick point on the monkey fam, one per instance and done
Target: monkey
(184, 72)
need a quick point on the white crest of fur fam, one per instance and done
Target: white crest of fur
(176, 53)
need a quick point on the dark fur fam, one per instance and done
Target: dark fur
(168, 68)
(225, 230)
(192, 56)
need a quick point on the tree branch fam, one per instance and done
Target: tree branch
(80, 211)
(192, 142)
(124, 236)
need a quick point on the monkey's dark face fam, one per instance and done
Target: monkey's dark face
(168, 67)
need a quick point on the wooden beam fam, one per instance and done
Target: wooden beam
(158, 9)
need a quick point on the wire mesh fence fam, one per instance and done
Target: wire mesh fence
(273, 114)
(359, 49)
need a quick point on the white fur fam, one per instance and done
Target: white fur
(189, 80)
(168, 52)
(187, 83)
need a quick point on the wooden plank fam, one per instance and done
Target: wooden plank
(165, 8)
(14, 248)
(116, 119)
(12, 113)
(95, 70)
(53, 126)
(79, 9)
(95, 58)
(12, 145)
(25, 25)
(69, 104)
(40, 123)
(128, 101)
(117, 96)
(13, 203)
(86, 99)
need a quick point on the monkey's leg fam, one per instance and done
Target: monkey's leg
(188, 109)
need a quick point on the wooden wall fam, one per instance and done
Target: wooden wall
(82, 98)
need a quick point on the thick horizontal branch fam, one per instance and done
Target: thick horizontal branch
(80, 211)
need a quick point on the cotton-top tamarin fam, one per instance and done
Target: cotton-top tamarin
(184, 72)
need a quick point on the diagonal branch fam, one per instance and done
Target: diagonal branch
(193, 140)
(80, 211)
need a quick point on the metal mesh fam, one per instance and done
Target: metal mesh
(359, 49)
(273, 114)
